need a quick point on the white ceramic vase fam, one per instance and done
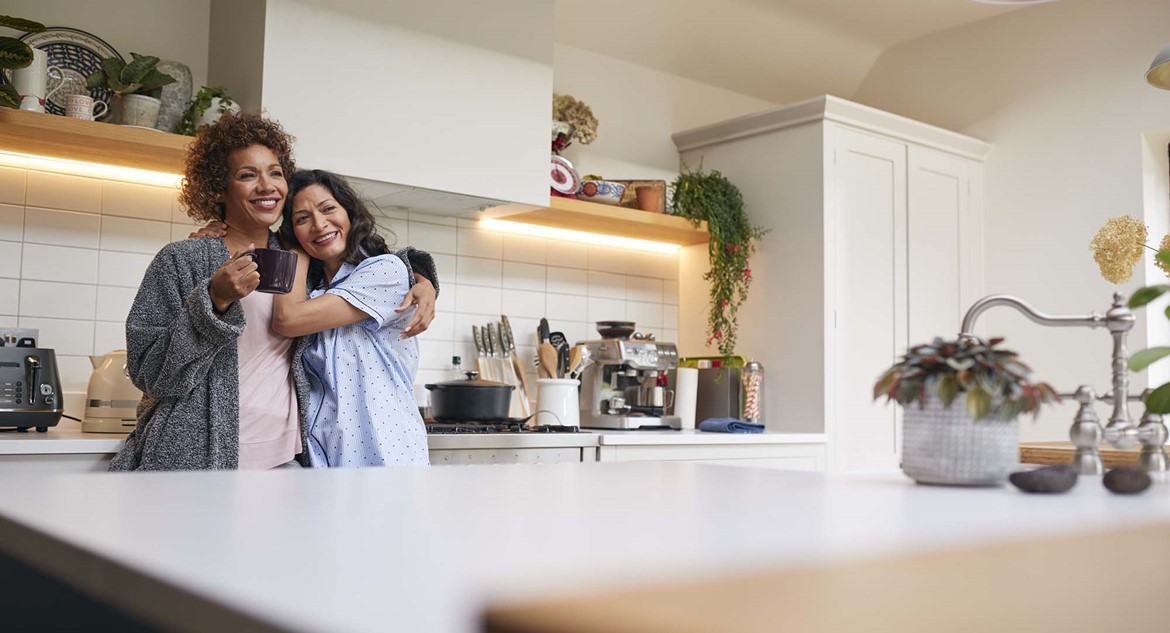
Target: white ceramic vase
(945, 445)
(140, 110)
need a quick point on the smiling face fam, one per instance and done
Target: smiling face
(321, 225)
(256, 188)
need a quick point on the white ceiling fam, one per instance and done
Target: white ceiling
(778, 50)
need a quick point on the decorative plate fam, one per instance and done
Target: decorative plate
(78, 54)
(564, 178)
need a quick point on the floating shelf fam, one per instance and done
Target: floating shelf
(592, 217)
(62, 137)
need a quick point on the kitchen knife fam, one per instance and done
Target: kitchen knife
(542, 331)
(481, 344)
(517, 368)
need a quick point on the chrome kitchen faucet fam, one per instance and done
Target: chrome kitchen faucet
(1086, 432)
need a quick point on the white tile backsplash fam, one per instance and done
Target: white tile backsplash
(122, 269)
(522, 248)
(477, 243)
(11, 222)
(520, 276)
(57, 263)
(57, 300)
(432, 238)
(9, 297)
(134, 236)
(607, 285)
(10, 259)
(66, 336)
(62, 191)
(12, 185)
(108, 336)
(73, 252)
(132, 200)
(113, 303)
(476, 271)
(61, 228)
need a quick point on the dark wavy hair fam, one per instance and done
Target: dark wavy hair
(363, 240)
(205, 172)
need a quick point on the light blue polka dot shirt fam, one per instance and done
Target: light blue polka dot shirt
(362, 410)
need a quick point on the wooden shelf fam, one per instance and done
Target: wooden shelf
(592, 217)
(62, 137)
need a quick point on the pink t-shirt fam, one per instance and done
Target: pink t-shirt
(269, 428)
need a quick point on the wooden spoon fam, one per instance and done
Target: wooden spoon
(575, 356)
(547, 354)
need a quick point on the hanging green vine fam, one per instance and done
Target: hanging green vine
(709, 196)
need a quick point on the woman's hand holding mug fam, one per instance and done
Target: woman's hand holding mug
(236, 279)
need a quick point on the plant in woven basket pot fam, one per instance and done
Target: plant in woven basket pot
(710, 197)
(138, 84)
(961, 401)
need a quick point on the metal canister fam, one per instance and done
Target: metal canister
(752, 377)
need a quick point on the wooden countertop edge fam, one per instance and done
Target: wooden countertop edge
(1050, 453)
(1042, 585)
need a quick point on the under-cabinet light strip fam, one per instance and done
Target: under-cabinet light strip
(89, 170)
(568, 235)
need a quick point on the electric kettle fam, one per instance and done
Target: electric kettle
(111, 403)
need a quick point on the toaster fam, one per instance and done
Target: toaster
(30, 388)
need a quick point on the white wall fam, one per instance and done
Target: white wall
(173, 30)
(1059, 90)
(638, 109)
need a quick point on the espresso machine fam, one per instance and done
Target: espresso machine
(627, 385)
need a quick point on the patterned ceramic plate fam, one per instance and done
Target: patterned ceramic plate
(78, 54)
(564, 178)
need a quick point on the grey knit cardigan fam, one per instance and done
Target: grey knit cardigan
(183, 358)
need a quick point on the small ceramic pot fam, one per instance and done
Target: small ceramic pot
(140, 110)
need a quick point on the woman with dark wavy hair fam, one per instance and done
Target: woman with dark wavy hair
(346, 298)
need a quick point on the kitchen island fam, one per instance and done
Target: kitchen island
(68, 450)
(430, 549)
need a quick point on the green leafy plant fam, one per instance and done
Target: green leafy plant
(1159, 400)
(708, 196)
(199, 105)
(15, 54)
(139, 77)
(997, 384)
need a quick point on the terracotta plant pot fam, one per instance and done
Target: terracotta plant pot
(649, 198)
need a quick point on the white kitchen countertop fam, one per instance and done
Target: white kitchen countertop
(425, 549)
(66, 440)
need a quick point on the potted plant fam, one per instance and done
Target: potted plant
(138, 84)
(961, 399)
(206, 108)
(708, 196)
(15, 54)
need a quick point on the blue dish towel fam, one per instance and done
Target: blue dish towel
(729, 425)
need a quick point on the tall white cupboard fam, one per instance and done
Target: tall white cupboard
(875, 244)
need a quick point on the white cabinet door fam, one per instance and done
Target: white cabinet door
(869, 256)
(940, 250)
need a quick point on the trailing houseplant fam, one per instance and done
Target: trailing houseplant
(961, 401)
(15, 54)
(709, 196)
(214, 98)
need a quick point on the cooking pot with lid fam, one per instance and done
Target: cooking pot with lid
(470, 400)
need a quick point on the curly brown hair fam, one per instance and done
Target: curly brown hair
(205, 173)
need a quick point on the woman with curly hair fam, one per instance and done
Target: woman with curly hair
(361, 410)
(220, 389)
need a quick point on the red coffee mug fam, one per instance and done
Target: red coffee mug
(277, 269)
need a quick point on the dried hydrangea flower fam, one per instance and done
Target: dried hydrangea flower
(570, 110)
(1117, 248)
(1164, 246)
